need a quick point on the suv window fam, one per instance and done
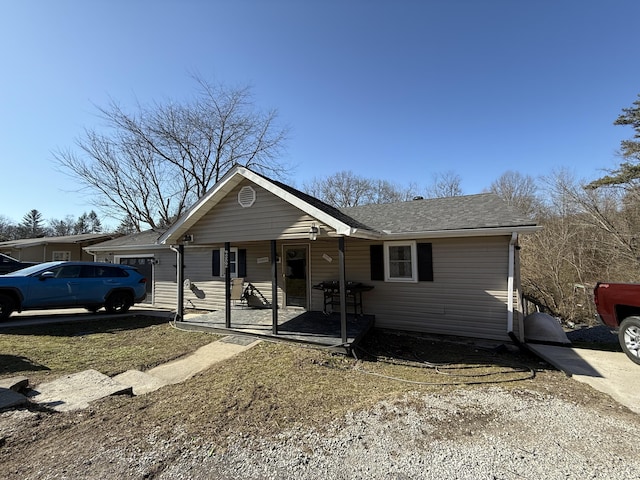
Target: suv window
(110, 272)
(67, 271)
(93, 271)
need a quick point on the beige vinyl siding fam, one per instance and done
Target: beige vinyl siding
(44, 253)
(208, 292)
(468, 296)
(36, 253)
(165, 291)
(269, 218)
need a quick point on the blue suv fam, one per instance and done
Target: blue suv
(91, 285)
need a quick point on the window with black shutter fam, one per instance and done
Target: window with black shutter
(237, 262)
(401, 262)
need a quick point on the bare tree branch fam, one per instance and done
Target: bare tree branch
(151, 165)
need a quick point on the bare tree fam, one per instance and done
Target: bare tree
(152, 165)
(518, 190)
(345, 189)
(8, 230)
(62, 227)
(613, 211)
(586, 237)
(387, 192)
(445, 184)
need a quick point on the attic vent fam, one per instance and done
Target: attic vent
(246, 197)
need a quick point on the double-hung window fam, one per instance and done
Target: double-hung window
(61, 256)
(237, 262)
(233, 262)
(400, 263)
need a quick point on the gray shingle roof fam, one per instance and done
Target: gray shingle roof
(485, 210)
(80, 238)
(319, 204)
(147, 237)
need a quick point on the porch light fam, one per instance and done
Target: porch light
(313, 232)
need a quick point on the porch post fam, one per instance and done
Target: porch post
(274, 289)
(227, 285)
(180, 273)
(343, 291)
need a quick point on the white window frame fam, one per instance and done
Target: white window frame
(233, 265)
(413, 260)
(64, 255)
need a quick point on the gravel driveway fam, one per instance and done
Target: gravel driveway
(470, 434)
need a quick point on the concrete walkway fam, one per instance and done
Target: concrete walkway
(181, 369)
(609, 372)
(76, 391)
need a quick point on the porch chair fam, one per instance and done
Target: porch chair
(237, 291)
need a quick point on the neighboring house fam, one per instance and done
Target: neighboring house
(143, 251)
(47, 249)
(447, 265)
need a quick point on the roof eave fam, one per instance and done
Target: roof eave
(465, 232)
(361, 233)
(112, 248)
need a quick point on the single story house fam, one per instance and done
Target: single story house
(446, 265)
(48, 249)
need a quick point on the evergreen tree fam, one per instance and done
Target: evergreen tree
(628, 173)
(31, 226)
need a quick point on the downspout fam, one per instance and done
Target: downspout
(510, 282)
(518, 287)
(180, 280)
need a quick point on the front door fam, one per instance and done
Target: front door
(295, 275)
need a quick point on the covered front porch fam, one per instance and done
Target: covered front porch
(294, 325)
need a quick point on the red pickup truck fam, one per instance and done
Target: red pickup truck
(618, 306)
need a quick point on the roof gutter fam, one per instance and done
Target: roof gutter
(150, 246)
(465, 232)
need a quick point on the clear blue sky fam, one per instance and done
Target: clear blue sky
(397, 89)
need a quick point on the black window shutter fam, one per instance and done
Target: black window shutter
(425, 262)
(215, 263)
(242, 262)
(376, 257)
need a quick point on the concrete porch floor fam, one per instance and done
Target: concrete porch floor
(294, 325)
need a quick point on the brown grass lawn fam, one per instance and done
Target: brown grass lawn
(109, 346)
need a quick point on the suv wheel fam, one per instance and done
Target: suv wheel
(118, 302)
(6, 306)
(629, 336)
